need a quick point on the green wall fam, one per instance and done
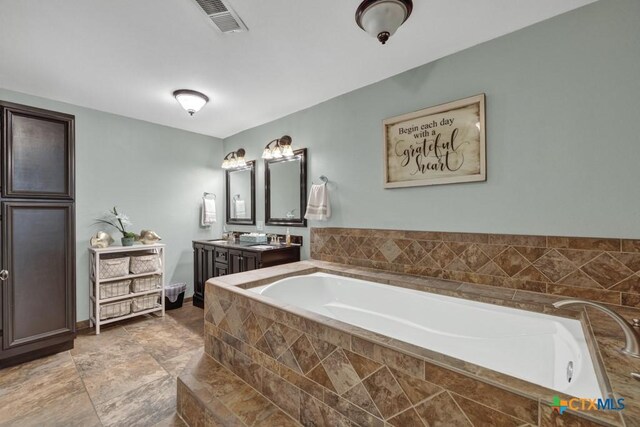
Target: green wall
(563, 134)
(563, 107)
(154, 173)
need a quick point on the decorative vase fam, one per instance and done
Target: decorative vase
(127, 241)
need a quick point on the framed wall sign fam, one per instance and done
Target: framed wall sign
(444, 144)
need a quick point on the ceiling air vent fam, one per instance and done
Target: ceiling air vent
(223, 17)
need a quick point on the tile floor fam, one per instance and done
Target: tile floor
(126, 376)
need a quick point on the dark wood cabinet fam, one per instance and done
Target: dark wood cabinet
(218, 258)
(242, 260)
(220, 270)
(38, 246)
(37, 230)
(37, 153)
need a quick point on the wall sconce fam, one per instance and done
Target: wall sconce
(282, 148)
(234, 159)
(382, 18)
(190, 100)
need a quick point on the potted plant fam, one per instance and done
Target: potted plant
(120, 222)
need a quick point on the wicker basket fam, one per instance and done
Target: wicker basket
(114, 267)
(145, 302)
(115, 289)
(115, 309)
(142, 284)
(145, 264)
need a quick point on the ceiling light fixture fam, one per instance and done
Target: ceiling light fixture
(281, 149)
(190, 100)
(382, 18)
(234, 159)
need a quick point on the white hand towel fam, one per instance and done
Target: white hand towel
(209, 215)
(318, 207)
(241, 211)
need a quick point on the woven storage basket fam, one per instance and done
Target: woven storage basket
(114, 267)
(115, 289)
(145, 302)
(145, 263)
(142, 284)
(115, 309)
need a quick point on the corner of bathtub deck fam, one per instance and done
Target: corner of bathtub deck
(211, 395)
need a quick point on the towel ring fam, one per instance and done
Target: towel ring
(236, 197)
(205, 194)
(324, 179)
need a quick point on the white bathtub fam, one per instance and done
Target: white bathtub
(531, 346)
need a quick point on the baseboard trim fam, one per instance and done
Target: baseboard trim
(83, 324)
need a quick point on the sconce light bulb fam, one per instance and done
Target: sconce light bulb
(287, 151)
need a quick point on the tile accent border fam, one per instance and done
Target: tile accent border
(323, 372)
(597, 269)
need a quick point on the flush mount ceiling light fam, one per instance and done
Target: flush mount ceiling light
(190, 100)
(234, 159)
(382, 18)
(282, 148)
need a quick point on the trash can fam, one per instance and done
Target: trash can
(174, 295)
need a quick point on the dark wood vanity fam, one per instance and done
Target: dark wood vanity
(214, 258)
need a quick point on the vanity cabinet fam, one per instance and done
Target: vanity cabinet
(240, 261)
(37, 233)
(217, 258)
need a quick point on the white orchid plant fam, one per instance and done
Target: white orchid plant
(117, 220)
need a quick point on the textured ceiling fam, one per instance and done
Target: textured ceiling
(127, 57)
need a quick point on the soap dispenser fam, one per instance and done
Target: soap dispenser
(288, 238)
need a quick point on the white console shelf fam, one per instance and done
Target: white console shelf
(95, 256)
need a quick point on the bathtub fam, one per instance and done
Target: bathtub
(546, 350)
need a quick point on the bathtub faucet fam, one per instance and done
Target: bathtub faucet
(632, 338)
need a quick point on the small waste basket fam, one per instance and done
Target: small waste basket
(174, 295)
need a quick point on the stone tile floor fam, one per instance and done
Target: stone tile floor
(126, 376)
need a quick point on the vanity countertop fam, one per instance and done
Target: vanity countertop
(246, 246)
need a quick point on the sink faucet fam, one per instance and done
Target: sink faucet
(632, 338)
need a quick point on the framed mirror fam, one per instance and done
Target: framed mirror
(285, 182)
(241, 195)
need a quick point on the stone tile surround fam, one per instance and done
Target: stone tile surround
(323, 372)
(598, 269)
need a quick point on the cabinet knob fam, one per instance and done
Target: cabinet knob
(4, 275)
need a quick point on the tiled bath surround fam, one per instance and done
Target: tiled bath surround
(601, 270)
(324, 372)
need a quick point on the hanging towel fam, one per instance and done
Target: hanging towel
(240, 209)
(318, 207)
(208, 212)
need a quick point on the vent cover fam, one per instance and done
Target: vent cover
(222, 16)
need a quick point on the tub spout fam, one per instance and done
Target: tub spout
(632, 338)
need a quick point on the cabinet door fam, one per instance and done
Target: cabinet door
(39, 255)
(198, 274)
(235, 262)
(210, 264)
(37, 153)
(220, 270)
(249, 261)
